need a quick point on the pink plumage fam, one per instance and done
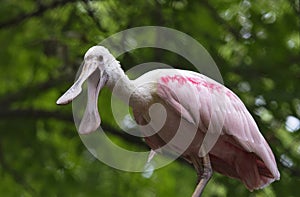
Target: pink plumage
(241, 151)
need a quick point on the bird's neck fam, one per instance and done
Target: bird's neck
(120, 85)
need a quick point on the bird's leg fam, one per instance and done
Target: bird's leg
(204, 172)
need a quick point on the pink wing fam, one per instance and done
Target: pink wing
(203, 101)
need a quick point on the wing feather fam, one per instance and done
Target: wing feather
(196, 97)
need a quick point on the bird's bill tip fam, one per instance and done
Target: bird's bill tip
(61, 101)
(69, 95)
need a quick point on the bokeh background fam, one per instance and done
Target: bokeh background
(254, 43)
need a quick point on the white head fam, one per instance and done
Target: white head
(96, 60)
(98, 54)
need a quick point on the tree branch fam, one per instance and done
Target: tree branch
(41, 9)
(34, 114)
(42, 114)
(32, 90)
(92, 14)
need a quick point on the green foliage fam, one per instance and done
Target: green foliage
(256, 45)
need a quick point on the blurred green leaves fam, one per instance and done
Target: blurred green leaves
(254, 43)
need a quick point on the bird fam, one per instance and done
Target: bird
(197, 104)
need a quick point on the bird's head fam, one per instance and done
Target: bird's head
(96, 60)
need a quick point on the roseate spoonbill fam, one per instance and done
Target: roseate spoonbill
(240, 151)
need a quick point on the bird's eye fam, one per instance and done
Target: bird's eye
(100, 58)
